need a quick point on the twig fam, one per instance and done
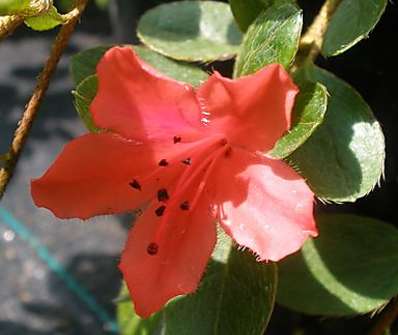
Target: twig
(311, 42)
(8, 24)
(386, 319)
(33, 105)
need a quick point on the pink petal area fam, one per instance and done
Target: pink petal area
(136, 102)
(92, 174)
(184, 240)
(253, 111)
(263, 204)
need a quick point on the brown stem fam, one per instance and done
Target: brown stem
(33, 105)
(8, 24)
(311, 42)
(386, 319)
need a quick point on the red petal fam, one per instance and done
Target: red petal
(177, 267)
(137, 102)
(254, 111)
(265, 205)
(92, 174)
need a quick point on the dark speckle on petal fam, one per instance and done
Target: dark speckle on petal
(187, 161)
(152, 249)
(163, 195)
(184, 206)
(135, 184)
(176, 139)
(163, 162)
(160, 210)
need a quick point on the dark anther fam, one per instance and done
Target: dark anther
(177, 139)
(184, 206)
(152, 249)
(163, 162)
(163, 195)
(160, 210)
(187, 161)
(135, 184)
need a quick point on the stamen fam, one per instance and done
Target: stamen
(209, 169)
(152, 249)
(204, 155)
(135, 184)
(185, 206)
(160, 210)
(163, 195)
(176, 139)
(187, 161)
(163, 162)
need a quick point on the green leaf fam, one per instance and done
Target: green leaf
(350, 268)
(272, 38)
(23, 7)
(102, 4)
(344, 158)
(235, 297)
(130, 323)
(308, 114)
(83, 96)
(246, 11)
(46, 21)
(180, 71)
(352, 22)
(84, 64)
(191, 30)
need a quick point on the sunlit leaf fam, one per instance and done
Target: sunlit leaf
(350, 268)
(191, 30)
(272, 38)
(308, 114)
(344, 158)
(45, 21)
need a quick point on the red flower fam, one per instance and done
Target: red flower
(191, 157)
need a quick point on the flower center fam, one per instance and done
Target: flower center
(187, 191)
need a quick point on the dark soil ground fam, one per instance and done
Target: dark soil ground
(35, 300)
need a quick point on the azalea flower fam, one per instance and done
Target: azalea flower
(191, 158)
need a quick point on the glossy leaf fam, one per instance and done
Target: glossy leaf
(235, 297)
(84, 64)
(350, 268)
(272, 38)
(352, 22)
(344, 158)
(191, 30)
(246, 11)
(46, 21)
(309, 111)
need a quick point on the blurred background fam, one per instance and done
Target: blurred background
(60, 277)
